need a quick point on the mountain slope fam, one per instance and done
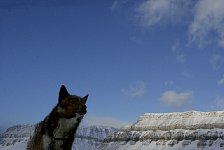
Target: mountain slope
(87, 137)
(90, 137)
(171, 131)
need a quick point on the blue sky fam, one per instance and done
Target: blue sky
(131, 57)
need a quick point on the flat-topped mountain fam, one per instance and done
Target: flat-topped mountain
(191, 130)
(184, 120)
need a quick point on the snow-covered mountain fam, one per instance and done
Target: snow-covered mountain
(16, 134)
(87, 137)
(90, 137)
(184, 120)
(171, 131)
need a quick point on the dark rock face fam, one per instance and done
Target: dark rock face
(178, 135)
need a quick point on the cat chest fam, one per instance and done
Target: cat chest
(65, 126)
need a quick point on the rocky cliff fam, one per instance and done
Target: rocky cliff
(187, 130)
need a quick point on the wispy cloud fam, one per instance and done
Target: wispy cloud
(204, 18)
(217, 61)
(180, 56)
(218, 104)
(208, 20)
(118, 4)
(104, 121)
(135, 89)
(153, 12)
(221, 81)
(175, 99)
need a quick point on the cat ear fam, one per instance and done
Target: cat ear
(84, 99)
(63, 93)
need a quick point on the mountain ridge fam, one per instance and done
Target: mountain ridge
(192, 130)
(88, 137)
(183, 120)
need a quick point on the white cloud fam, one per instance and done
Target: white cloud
(152, 12)
(135, 89)
(221, 81)
(175, 99)
(204, 18)
(118, 4)
(180, 56)
(104, 121)
(115, 4)
(208, 20)
(217, 61)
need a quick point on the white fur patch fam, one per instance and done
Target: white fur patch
(46, 141)
(65, 125)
